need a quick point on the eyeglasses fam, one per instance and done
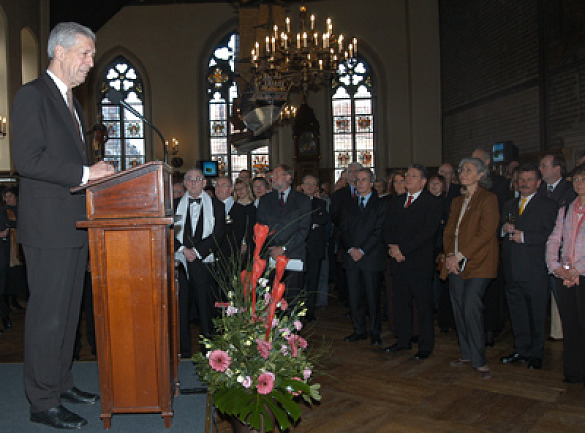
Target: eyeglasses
(466, 170)
(194, 179)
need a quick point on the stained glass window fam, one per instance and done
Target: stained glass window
(352, 106)
(221, 92)
(125, 147)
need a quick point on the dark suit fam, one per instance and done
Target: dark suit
(563, 194)
(413, 229)
(289, 225)
(197, 285)
(341, 200)
(363, 230)
(316, 243)
(525, 272)
(239, 226)
(49, 156)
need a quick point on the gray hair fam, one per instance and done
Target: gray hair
(482, 170)
(351, 165)
(65, 34)
(370, 172)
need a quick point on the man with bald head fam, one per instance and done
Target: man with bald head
(200, 229)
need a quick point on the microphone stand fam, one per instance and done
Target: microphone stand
(116, 98)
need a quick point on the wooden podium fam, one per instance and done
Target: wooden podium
(129, 220)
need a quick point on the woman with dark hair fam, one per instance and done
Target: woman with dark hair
(471, 249)
(568, 238)
(396, 186)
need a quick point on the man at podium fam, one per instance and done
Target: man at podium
(50, 155)
(200, 230)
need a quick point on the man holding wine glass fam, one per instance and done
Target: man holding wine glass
(526, 223)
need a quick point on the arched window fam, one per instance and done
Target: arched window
(352, 106)
(125, 147)
(221, 92)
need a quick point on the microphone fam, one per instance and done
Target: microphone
(117, 98)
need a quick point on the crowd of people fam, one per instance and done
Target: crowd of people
(470, 248)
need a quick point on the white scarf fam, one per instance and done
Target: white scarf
(208, 224)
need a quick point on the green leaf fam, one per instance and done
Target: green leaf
(288, 404)
(279, 414)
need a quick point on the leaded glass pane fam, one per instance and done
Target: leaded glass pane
(342, 125)
(218, 146)
(260, 165)
(222, 165)
(342, 107)
(222, 90)
(218, 128)
(364, 123)
(126, 146)
(363, 106)
(353, 118)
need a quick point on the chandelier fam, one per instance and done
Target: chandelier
(297, 61)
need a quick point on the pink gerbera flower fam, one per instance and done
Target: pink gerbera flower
(264, 347)
(265, 383)
(219, 360)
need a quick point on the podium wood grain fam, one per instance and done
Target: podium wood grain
(135, 301)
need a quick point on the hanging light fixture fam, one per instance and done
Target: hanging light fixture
(300, 60)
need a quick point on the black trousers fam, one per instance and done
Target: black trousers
(406, 288)
(527, 302)
(364, 292)
(197, 292)
(572, 311)
(55, 278)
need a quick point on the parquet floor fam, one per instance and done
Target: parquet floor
(365, 390)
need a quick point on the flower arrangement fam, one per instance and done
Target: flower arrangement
(257, 363)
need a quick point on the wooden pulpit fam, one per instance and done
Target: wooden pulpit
(129, 222)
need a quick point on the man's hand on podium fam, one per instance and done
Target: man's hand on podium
(99, 170)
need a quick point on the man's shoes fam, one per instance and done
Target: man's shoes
(355, 337)
(554, 339)
(75, 395)
(395, 348)
(58, 417)
(376, 341)
(512, 358)
(422, 355)
(534, 364)
(484, 372)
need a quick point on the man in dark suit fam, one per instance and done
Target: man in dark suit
(341, 200)
(201, 228)
(51, 157)
(288, 215)
(239, 224)
(316, 242)
(555, 186)
(364, 257)
(413, 220)
(524, 244)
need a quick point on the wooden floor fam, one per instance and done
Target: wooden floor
(365, 390)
